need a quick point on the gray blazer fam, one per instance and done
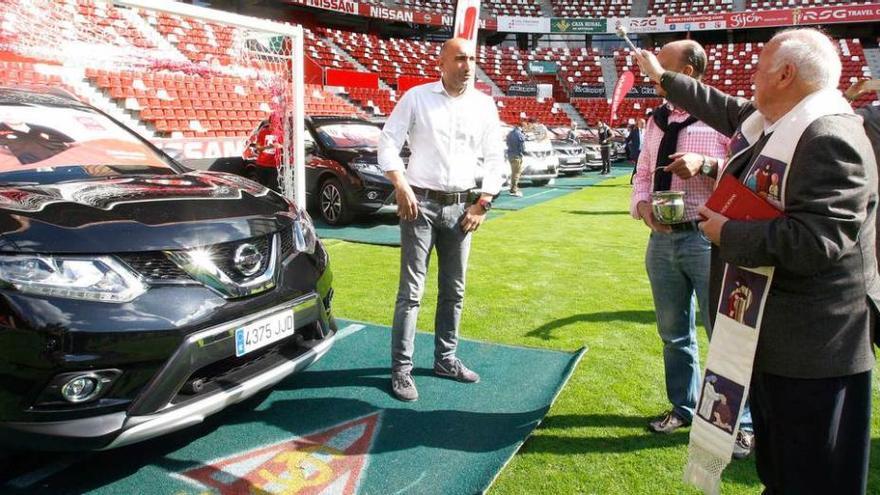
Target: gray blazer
(826, 289)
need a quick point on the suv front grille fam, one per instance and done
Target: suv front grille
(154, 266)
(286, 242)
(157, 267)
(224, 256)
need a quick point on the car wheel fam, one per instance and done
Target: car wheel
(540, 182)
(333, 206)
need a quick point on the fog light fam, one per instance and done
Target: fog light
(81, 389)
(372, 195)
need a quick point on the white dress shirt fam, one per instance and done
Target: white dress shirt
(446, 136)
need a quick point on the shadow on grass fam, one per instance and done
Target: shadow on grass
(584, 212)
(545, 331)
(598, 441)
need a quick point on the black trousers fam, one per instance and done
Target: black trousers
(267, 176)
(606, 159)
(812, 436)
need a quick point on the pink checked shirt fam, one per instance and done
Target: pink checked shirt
(695, 138)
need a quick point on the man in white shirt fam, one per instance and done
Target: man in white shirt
(449, 125)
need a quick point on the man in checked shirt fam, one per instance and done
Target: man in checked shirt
(680, 154)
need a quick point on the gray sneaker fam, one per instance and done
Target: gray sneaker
(403, 386)
(457, 371)
(667, 423)
(744, 445)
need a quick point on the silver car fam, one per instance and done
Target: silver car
(572, 156)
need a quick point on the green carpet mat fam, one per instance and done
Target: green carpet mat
(376, 229)
(335, 428)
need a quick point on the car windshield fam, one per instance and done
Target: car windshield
(349, 135)
(41, 144)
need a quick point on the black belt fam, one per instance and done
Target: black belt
(693, 225)
(444, 198)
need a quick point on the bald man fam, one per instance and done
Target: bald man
(449, 125)
(677, 257)
(811, 377)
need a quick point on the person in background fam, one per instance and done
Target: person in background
(266, 147)
(603, 132)
(448, 125)
(572, 133)
(516, 142)
(634, 144)
(870, 115)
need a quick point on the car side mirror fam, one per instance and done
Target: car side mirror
(309, 147)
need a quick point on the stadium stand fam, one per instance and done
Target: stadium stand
(389, 58)
(515, 109)
(789, 4)
(203, 97)
(520, 8)
(442, 7)
(605, 8)
(378, 101)
(679, 7)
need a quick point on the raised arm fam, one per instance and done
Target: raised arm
(719, 110)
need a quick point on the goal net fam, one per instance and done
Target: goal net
(219, 73)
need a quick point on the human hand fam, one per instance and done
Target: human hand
(712, 225)
(861, 87)
(685, 165)
(647, 214)
(407, 203)
(649, 65)
(474, 216)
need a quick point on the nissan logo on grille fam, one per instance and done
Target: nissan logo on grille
(248, 259)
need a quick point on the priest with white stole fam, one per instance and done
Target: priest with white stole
(806, 362)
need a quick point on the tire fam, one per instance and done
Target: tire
(332, 203)
(540, 182)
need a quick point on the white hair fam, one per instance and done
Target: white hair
(814, 54)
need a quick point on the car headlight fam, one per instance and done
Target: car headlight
(304, 236)
(102, 279)
(367, 168)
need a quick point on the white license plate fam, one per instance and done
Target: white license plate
(263, 332)
(572, 160)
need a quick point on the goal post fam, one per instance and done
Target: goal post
(266, 55)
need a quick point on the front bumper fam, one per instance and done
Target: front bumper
(375, 194)
(166, 405)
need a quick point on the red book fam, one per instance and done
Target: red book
(734, 200)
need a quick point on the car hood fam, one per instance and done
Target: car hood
(137, 213)
(565, 145)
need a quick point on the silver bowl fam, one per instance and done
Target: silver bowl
(668, 206)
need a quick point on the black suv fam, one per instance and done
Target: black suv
(138, 297)
(342, 172)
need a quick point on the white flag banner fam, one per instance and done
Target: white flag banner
(467, 21)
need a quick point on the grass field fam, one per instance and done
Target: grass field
(561, 275)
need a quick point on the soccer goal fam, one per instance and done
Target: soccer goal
(228, 64)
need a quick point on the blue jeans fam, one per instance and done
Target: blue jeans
(436, 226)
(678, 268)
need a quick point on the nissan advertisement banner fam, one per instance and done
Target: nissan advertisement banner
(577, 25)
